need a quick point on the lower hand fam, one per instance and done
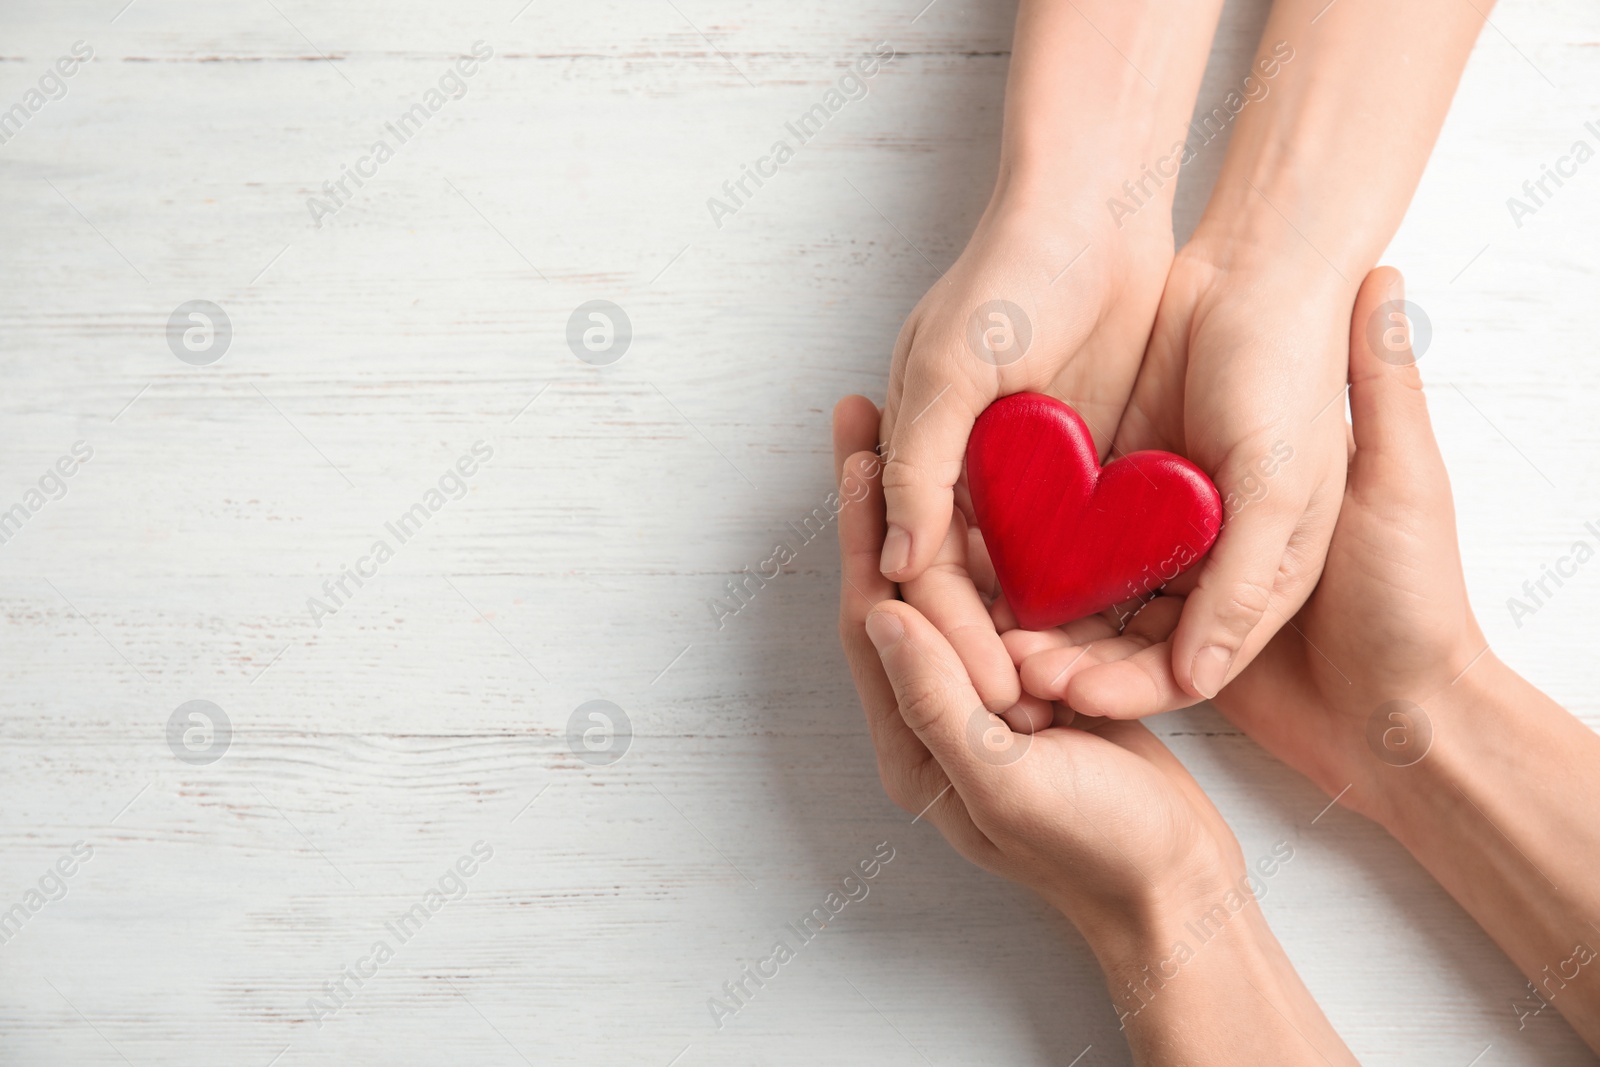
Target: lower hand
(1097, 816)
(1389, 619)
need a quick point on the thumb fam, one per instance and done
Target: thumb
(922, 463)
(938, 702)
(1388, 410)
(1233, 593)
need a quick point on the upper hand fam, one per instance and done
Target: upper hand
(1081, 297)
(1388, 620)
(1243, 376)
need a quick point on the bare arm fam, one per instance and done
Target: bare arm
(1502, 811)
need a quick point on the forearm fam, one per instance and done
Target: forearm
(1501, 811)
(1207, 983)
(1099, 90)
(1320, 170)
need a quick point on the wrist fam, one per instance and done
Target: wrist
(1137, 927)
(1178, 977)
(1098, 93)
(1245, 253)
(1468, 737)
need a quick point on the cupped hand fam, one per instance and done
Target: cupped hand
(1389, 619)
(1045, 298)
(1243, 376)
(1097, 816)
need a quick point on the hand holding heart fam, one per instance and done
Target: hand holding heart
(1137, 832)
(1389, 617)
(1240, 370)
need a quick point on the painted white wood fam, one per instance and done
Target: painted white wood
(372, 751)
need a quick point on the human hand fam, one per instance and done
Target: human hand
(1242, 375)
(1042, 299)
(1097, 816)
(1389, 619)
(1102, 821)
(1059, 284)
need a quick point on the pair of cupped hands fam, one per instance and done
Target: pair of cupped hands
(1336, 591)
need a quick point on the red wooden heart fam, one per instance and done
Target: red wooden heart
(1069, 537)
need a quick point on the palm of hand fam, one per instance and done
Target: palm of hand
(1245, 385)
(1110, 804)
(1389, 621)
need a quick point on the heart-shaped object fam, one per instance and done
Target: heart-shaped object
(1069, 537)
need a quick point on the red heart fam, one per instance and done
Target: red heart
(1069, 537)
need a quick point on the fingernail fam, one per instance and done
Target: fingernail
(896, 551)
(1210, 669)
(884, 630)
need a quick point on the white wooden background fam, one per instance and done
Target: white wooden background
(371, 752)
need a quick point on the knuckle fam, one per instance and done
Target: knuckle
(894, 786)
(1241, 606)
(900, 473)
(922, 702)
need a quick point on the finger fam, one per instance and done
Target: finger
(860, 535)
(1132, 687)
(1005, 620)
(1135, 665)
(1153, 620)
(859, 471)
(1232, 595)
(924, 449)
(903, 761)
(911, 776)
(855, 429)
(863, 587)
(1025, 643)
(1388, 409)
(1029, 714)
(946, 597)
(937, 700)
(909, 773)
(980, 565)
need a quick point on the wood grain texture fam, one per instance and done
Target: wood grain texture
(374, 746)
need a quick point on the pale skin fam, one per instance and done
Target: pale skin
(1102, 820)
(1224, 352)
(1099, 818)
(1235, 347)
(1499, 805)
